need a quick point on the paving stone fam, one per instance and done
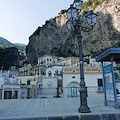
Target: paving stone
(57, 109)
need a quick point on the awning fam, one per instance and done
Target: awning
(106, 56)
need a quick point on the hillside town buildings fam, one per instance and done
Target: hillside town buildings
(51, 77)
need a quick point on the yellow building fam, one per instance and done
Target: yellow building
(29, 76)
(29, 70)
(69, 61)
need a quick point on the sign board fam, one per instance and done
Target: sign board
(118, 86)
(109, 83)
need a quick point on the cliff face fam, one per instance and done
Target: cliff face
(54, 38)
(106, 32)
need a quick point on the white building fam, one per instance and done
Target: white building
(71, 80)
(29, 85)
(1, 83)
(10, 87)
(69, 61)
(45, 60)
(48, 60)
(49, 84)
(93, 63)
(50, 81)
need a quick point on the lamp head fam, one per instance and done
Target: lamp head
(71, 13)
(91, 18)
(70, 25)
(78, 4)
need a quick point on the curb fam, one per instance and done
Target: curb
(81, 117)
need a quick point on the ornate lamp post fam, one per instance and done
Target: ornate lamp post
(74, 22)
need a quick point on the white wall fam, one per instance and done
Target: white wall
(90, 78)
(1, 81)
(73, 80)
(49, 87)
(49, 83)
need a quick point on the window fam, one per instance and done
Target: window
(74, 71)
(100, 82)
(73, 91)
(28, 82)
(43, 73)
(15, 94)
(73, 76)
(49, 73)
(99, 70)
(56, 71)
(8, 95)
(100, 85)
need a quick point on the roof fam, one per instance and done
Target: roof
(106, 56)
(77, 70)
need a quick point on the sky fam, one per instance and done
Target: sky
(20, 18)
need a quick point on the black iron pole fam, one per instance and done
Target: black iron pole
(83, 89)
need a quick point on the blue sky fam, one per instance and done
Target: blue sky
(20, 18)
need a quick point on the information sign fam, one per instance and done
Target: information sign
(109, 83)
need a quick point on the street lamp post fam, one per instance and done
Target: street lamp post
(74, 22)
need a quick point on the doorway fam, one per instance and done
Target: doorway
(100, 85)
(8, 95)
(16, 94)
(73, 91)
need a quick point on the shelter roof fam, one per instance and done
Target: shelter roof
(106, 56)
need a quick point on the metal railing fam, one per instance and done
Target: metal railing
(56, 92)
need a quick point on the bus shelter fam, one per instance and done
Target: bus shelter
(110, 90)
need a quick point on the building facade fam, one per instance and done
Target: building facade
(71, 80)
(9, 86)
(45, 60)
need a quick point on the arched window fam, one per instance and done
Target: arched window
(99, 70)
(74, 71)
(73, 76)
(49, 73)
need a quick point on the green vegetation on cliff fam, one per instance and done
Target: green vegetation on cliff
(9, 56)
(62, 12)
(93, 3)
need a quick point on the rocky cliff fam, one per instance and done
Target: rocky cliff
(54, 37)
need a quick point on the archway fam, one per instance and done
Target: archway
(72, 90)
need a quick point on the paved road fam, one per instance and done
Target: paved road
(31, 108)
